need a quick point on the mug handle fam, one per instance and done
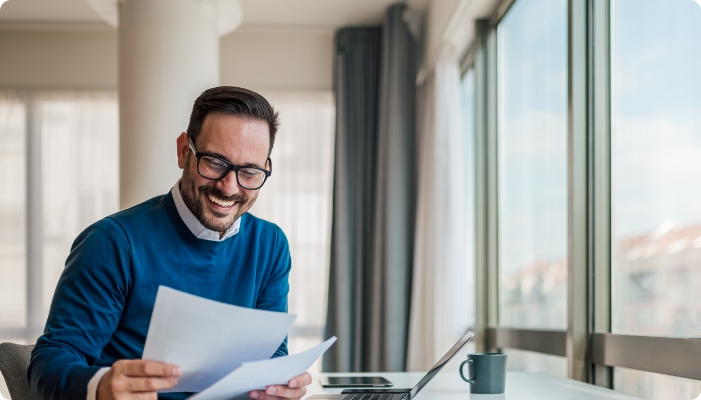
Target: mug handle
(468, 361)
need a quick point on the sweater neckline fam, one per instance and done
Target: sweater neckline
(185, 232)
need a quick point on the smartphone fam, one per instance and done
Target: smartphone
(354, 381)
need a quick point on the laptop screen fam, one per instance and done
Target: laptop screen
(456, 347)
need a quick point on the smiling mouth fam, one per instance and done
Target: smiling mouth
(220, 202)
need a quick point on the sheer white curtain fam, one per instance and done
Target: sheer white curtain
(442, 305)
(77, 134)
(80, 171)
(13, 190)
(297, 197)
(73, 137)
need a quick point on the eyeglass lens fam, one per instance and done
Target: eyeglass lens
(213, 168)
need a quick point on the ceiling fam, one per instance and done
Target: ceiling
(288, 13)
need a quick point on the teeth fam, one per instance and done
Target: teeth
(220, 202)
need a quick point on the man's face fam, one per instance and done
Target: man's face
(238, 140)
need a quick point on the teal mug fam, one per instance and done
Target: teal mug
(488, 372)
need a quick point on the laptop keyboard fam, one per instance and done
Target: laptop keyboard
(376, 396)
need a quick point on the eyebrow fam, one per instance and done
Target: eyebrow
(215, 154)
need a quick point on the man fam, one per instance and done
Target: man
(198, 238)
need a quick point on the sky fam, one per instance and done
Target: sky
(532, 138)
(656, 117)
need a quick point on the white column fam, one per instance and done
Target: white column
(168, 54)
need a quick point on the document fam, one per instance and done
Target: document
(208, 339)
(259, 374)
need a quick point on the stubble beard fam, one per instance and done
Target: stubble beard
(195, 199)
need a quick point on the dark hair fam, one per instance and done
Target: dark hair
(234, 101)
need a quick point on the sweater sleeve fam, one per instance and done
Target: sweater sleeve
(85, 311)
(273, 292)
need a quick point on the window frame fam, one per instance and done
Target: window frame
(592, 351)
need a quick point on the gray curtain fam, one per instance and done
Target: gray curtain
(374, 196)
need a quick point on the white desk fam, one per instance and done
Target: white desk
(447, 385)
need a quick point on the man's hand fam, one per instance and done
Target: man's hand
(295, 389)
(136, 379)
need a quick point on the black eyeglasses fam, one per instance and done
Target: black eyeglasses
(212, 167)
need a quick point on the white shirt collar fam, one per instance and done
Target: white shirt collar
(194, 224)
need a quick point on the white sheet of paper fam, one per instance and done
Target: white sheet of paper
(208, 339)
(259, 374)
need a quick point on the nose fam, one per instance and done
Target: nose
(228, 184)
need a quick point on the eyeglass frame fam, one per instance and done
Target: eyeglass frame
(230, 166)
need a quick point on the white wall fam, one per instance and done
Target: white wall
(86, 57)
(261, 58)
(453, 22)
(265, 59)
(439, 14)
(58, 58)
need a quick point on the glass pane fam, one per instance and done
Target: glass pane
(467, 279)
(462, 290)
(13, 234)
(528, 361)
(648, 385)
(80, 166)
(656, 155)
(297, 197)
(532, 170)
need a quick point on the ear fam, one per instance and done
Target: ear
(183, 149)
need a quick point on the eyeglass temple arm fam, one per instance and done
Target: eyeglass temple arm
(191, 144)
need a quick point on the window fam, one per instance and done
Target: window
(297, 197)
(528, 361)
(593, 146)
(656, 165)
(13, 318)
(532, 169)
(80, 173)
(75, 137)
(466, 282)
(648, 385)
(70, 138)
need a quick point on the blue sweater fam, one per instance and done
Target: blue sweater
(102, 306)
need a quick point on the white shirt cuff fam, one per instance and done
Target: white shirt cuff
(92, 385)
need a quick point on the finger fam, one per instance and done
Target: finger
(147, 384)
(261, 395)
(285, 392)
(299, 381)
(143, 396)
(146, 368)
(273, 397)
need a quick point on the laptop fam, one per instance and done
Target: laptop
(398, 394)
